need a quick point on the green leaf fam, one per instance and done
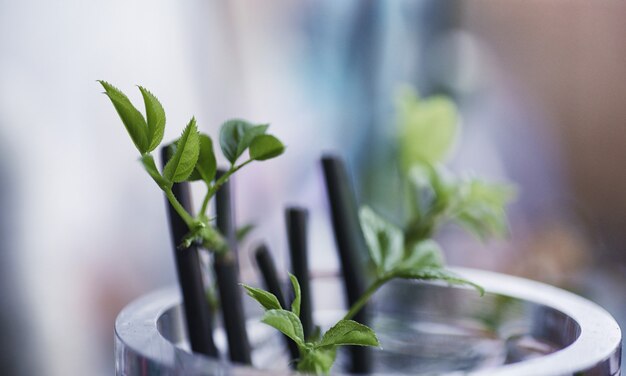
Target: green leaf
(385, 241)
(439, 196)
(243, 231)
(285, 322)
(231, 134)
(434, 194)
(265, 298)
(425, 254)
(427, 128)
(250, 134)
(133, 119)
(156, 118)
(206, 166)
(349, 332)
(445, 184)
(265, 147)
(317, 361)
(435, 186)
(182, 163)
(480, 207)
(236, 136)
(437, 274)
(148, 163)
(295, 305)
(423, 192)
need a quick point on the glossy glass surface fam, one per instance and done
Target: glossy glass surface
(519, 327)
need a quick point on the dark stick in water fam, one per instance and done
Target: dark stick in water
(350, 245)
(197, 311)
(296, 219)
(267, 268)
(226, 275)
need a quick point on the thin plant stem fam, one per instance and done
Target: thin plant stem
(179, 208)
(358, 305)
(213, 188)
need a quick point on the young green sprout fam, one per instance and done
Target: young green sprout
(427, 129)
(317, 355)
(192, 157)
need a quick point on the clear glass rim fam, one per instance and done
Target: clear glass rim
(598, 346)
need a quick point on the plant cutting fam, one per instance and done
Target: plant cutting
(436, 197)
(192, 157)
(405, 248)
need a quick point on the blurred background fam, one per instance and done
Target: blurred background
(539, 86)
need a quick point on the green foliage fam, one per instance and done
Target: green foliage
(182, 163)
(148, 163)
(427, 131)
(430, 190)
(436, 274)
(133, 119)
(265, 147)
(285, 322)
(394, 258)
(155, 117)
(349, 332)
(297, 300)
(440, 197)
(268, 300)
(385, 241)
(206, 167)
(237, 135)
(427, 128)
(317, 360)
(425, 254)
(190, 158)
(316, 355)
(480, 207)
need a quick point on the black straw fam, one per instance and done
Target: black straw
(266, 265)
(195, 303)
(350, 245)
(226, 275)
(296, 219)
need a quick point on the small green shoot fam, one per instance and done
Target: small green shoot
(427, 132)
(317, 354)
(192, 157)
(428, 128)
(438, 197)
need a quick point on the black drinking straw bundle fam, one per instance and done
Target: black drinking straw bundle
(350, 246)
(196, 306)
